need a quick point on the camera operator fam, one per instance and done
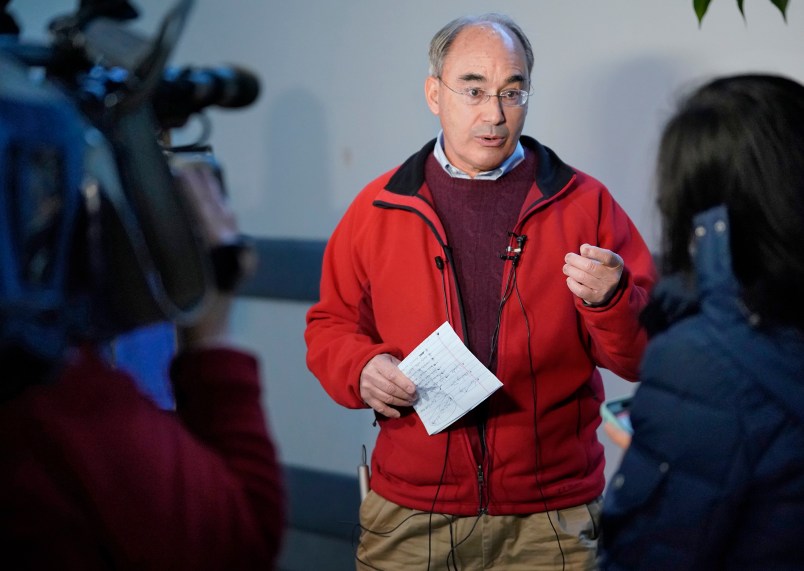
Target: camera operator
(93, 475)
(101, 233)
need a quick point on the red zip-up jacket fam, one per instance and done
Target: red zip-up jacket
(387, 283)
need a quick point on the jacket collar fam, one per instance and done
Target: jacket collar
(551, 175)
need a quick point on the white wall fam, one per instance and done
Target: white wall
(342, 101)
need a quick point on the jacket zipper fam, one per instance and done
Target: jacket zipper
(482, 508)
(480, 486)
(440, 263)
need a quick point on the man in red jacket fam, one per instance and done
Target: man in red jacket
(542, 275)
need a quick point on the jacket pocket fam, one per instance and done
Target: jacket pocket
(638, 480)
(657, 516)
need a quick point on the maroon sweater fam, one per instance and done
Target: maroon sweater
(478, 216)
(94, 476)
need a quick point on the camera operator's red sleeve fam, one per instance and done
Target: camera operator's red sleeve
(96, 476)
(218, 399)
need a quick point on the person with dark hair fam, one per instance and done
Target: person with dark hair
(714, 474)
(542, 275)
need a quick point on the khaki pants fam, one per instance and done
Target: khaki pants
(400, 539)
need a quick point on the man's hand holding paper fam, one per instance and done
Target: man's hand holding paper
(383, 386)
(450, 380)
(441, 379)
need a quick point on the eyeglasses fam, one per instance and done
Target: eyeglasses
(477, 96)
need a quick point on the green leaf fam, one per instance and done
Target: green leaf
(782, 6)
(700, 8)
(740, 6)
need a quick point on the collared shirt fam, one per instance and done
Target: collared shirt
(508, 164)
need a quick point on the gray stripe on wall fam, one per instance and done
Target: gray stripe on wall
(287, 269)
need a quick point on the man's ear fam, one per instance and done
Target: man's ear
(431, 93)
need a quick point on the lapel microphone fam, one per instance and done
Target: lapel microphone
(514, 249)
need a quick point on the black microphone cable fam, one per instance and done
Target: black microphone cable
(536, 437)
(440, 264)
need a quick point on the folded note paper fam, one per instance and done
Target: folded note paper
(449, 379)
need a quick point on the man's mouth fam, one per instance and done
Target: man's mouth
(491, 141)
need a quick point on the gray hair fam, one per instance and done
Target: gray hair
(442, 41)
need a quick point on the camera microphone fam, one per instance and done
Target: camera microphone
(184, 91)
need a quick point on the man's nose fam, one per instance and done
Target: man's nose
(493, 111)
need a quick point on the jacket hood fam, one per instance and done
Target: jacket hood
(773, 355)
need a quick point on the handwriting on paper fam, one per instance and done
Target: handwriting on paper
(449, 379)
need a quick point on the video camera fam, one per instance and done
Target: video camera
(95, 239)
